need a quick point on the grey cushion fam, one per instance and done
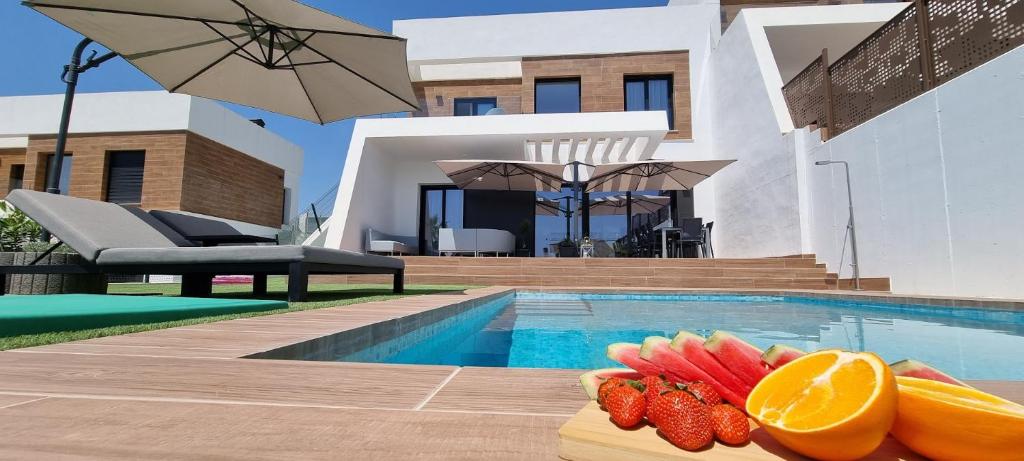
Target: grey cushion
(193, 226)
(243, 254)
(88, 226)
(160, 226)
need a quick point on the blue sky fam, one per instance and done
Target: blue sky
(41, 47)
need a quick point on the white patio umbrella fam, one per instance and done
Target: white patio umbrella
(638, 204)
(652, 175)
(277, 55)
(548, 207)
(503, 175)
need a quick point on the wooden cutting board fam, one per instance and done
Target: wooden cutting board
(591, 436)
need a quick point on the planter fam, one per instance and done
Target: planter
(40, 284)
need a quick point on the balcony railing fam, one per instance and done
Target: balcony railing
(925, 45)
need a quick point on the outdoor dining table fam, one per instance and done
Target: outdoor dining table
(664, 238)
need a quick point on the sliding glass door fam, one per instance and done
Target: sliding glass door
(440, 206)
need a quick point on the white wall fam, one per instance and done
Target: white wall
(133, 111)
(756, 200)
(937, 188)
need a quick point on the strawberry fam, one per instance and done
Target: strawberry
(607, 386)
(704, 392)
(653, 387)
(730, 424)
(683, 420)
(625, 405)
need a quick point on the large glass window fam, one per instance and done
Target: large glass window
(557, 96)
(650, 92)
(65, 172)
(124, 177)
(440, 206)
(474, 106)
(16, 178)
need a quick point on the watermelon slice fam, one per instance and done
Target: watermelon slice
(691, 345)
(781, 354)
(916, 369)
(591, 380)
(656, 350)
(628, 354)
(741, 358)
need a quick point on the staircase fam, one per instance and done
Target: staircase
(797, 272)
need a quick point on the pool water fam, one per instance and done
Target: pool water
(548, 330)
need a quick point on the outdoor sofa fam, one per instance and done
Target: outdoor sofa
(113, 239)
(379, 242)
(476, 241)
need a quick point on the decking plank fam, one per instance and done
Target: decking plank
(514, 390)
(135, 430)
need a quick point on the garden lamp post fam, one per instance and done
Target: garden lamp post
(850, 224)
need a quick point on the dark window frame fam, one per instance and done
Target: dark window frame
(107, 176)
(49, 161)
(579, 92)
(15, 182)
(646, 78)
(475, 102)
(424, 189)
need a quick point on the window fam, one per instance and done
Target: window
(65, 173)
(124, 177)
(557, 96)
(650, 92)
(474, 106)
(17, 177)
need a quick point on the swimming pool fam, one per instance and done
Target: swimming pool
(565, 330)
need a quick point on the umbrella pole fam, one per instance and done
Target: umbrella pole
(576, 198)
(629, 222)
(70, 78)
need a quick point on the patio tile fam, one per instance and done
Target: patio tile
(514, 390)
(10, 401)
(133, 430)
(241, 380)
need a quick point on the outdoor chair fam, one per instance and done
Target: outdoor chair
(691, 235)
(112, 239)
(709, 251)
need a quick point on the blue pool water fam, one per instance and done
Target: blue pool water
(547, 330)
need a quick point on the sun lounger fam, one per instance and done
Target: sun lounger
(120, 240)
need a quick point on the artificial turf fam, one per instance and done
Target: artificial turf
(320, 296)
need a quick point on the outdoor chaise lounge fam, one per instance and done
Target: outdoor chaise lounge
(113, 239)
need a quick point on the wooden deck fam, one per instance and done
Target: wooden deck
(184, 393)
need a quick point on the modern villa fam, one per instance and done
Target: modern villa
(701, 230)
(157, 151)
(668, 84)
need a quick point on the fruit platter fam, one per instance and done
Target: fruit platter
(696, 398)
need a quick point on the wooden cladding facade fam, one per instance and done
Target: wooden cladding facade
(183, 171)
(602, 85)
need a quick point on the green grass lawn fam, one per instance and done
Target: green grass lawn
(320, 296)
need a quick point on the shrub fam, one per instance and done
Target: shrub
(16, 229)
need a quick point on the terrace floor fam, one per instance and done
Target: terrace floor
(184, 393)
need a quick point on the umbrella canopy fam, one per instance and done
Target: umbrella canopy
(616, 204)
(278, 55)
(503, 175)
(548, 207)
(652, 175)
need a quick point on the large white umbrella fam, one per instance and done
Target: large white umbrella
(278, 55)
(503, 175)
(652, 175)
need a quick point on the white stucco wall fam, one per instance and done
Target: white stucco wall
(137, 111)
(756, 199)
(937, 188)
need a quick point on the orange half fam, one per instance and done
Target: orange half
(943, 421)
(828, 405)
